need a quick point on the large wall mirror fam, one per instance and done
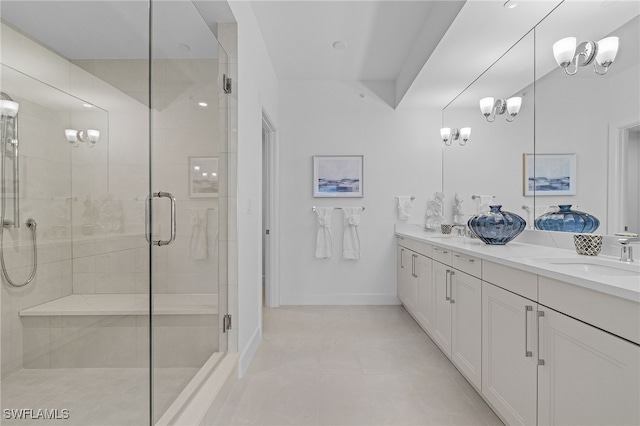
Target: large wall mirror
(489, 164)
(594, 117)
(585, 126)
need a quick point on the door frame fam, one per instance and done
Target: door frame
(272, 212)
(617, 184)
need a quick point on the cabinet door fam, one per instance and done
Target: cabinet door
(404, 265)
(509, 358)
(412, 284)
(466, 325)
(441, 319)
(424, 272)
(589, 376)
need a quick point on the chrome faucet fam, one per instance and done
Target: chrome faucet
(626, 253)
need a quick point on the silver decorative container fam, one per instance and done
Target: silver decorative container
(446, 228)
(588, 244)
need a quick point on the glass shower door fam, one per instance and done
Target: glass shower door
(75, 339)
(185, 181)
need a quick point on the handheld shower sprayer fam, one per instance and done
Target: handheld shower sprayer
(10, 147)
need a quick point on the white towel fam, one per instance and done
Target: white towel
(324, 238)
(198, 246)
(351, 239)
(405, 204)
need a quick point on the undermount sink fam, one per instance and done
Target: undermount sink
(594, 266)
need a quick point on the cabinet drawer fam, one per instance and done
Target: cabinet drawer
(613, 314)
(520, 282)
(469, 264)
(442, 255)
(417, 246)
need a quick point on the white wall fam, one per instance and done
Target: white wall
(402, 156)
(257, 91)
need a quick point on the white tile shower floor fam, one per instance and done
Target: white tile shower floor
(351, 365)
(93, 396)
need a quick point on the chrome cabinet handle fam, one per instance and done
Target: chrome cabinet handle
(527, 352)
(413, 265)
(539, 314)
(172, 238)
(402, 258)
(440, 250)
(446, 285)
(451, 274)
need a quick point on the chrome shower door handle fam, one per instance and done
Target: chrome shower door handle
(172, 238)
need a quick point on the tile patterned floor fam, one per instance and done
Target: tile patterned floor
(93, 396)
(351, 365)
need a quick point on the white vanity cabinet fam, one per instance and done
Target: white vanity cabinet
(414, 279)
(457, 317)
(509, 354)
(424, 277)
(405, 273)
(587, 376)
(540, 366)
(539, 350)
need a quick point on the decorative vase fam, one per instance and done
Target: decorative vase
(496, 227)
(567, 220)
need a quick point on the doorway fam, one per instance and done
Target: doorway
(624, 191)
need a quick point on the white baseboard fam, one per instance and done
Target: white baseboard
(340, 299)
(246, 354)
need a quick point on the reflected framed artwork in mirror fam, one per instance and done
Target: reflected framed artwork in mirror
(203, 177)
(549, 174)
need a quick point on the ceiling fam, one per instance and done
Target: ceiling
(119, 29)
(454, 40)
(299, 36)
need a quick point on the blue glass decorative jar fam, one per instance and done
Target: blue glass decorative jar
(567, 220)
(496, 227)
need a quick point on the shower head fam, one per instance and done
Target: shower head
(8, 107)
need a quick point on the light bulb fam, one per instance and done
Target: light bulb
(564, 51)
(607, 51)
(486, 104)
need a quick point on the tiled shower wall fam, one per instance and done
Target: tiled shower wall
(56, 180)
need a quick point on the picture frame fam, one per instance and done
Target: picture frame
(549, 174)
(338, 176)
(203, 177)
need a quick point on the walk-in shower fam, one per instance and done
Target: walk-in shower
(111, 316)
(10, 149)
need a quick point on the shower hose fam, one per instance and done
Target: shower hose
(31, 223)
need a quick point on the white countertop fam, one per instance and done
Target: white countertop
(536, 259)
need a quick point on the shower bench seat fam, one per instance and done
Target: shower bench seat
(112, 331)
(126, 304)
